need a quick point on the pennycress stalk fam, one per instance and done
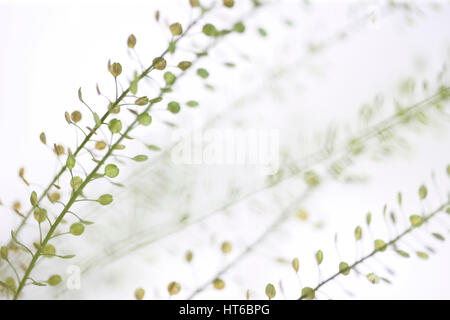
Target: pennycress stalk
(97, 125)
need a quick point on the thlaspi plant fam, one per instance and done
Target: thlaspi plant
(119, 132)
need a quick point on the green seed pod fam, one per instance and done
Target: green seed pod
(308, 293)
(270, 291)
(105, 199)
(4, 252)
(142, 101)
(173, 288)
(183, 65)
(295, 264)
(228, 3)
(75, 183)
(192, 104)
(131, 42)
(380, 245)
(373, 278)
(33, 198)
(116, 69)
(423, 192)
(145, 119)
(140, 158)
(54, 280)
(48, 251)
(115, 125)
(239, 27)
(176, 29)
(202, 73)
(159, 63)
(358, 233)
(43, 138)
(344, 268)
(77, 229)
(76, 116)
(40, 215)
(319, 257)
(111, 170)
(173, 107)
(218, 284)
(416, 220)
(169, 78)
(210, 30)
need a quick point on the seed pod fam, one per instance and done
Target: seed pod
(183, 65)
(77, 229)
(59, 149)
(239, 27)
(218, 284)
(173, 288)
(210, 30)
(139, 293)
(228, 3)
(344, 268)
(131, 42)
(100, 145)
(54, 280)
(308, 293)
(4, 252)
(169, 78)
(173, 107)
(380, 245)
(295, 264)
(416, 220)
(176, 29)
(105, 199)
(115, 125)
(202, 73)
(116, 69)
(194, 3)
(43, 138)
(319, 257)
(142, 101)
(40, 215)
(145, 119)
(159, 63)
(48, 251)
(189, 255)
(76, 116)
(226, 247)
(270, 291)
(358, 233)
(54, 196)
(111, 170)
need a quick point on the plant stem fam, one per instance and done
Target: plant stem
(80, 189)
(97, 125)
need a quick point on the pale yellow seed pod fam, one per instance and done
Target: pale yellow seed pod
(131, 42)
(139, 294)
(173, 288)
(226, 247)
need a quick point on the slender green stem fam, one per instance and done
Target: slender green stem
(97, 125)
(90, 177)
